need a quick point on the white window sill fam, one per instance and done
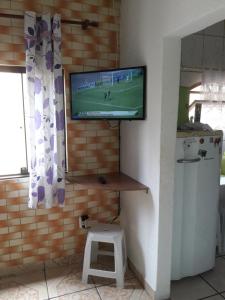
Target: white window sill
(3, 177)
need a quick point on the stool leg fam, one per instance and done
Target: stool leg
(119, 264)
(94, 251)
(86, 263)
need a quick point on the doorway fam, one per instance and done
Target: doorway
(202, 53)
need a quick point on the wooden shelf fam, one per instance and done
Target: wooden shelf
(114, 181)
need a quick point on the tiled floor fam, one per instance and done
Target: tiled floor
(62, 281)
(209, 285)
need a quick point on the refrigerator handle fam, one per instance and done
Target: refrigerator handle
(188, 160)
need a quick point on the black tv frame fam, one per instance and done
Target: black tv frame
(105, 118)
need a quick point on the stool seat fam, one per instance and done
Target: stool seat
(106, 233)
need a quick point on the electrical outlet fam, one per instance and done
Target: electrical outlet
(82, 221)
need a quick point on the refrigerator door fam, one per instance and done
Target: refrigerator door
(195, 206)
(186, 174)
(207, 200)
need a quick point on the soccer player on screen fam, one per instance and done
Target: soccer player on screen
(109, 95)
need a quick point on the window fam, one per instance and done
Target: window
(195, 101)
(211, 112)
(14, 108)
(13, 150)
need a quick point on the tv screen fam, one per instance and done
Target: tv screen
(117, 94)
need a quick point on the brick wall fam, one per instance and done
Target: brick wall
(28, 236)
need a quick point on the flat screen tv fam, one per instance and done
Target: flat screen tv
(117, 94)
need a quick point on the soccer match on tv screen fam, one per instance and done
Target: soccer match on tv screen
(116, 94)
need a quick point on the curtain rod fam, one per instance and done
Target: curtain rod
(84, 24)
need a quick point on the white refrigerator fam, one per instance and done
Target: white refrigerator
(197, 176)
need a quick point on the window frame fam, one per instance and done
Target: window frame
(21, 70)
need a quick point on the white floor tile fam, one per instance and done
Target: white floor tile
(192, 288)
(217, 297)
(25, 286)
(63, 280)
(216, 277)
(131, 291)
(84, 295)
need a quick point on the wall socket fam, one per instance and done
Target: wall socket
(82, 221)
(85, 222)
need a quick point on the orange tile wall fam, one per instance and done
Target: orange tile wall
(30, 236)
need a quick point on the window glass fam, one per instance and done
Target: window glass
(210, 112)
(13, 155)
(14, 122)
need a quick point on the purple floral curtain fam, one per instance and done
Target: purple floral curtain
(46, 116)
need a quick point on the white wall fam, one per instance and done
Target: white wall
(150, 35)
